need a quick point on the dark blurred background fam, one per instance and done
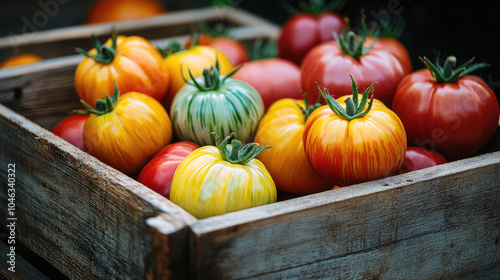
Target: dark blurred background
(467, 29)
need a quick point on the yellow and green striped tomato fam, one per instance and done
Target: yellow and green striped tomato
(206, 185)
(234, 107)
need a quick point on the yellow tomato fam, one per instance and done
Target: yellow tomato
(282, 127)
(350, 148)
(132, 62)
(196, 59)
(20, 59)
(209, 182)
(129, 133)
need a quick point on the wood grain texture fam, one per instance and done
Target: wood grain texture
(23, 269)
(84, 217)
(438, 223)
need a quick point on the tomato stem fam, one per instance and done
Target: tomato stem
(102, 106)
(448, 73)
(105, 53)
(353, 110)
(236, 152)
(211, 76)
(352, 44)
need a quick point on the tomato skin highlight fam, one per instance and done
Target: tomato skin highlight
(127, 137)
(273, 78)
(206, 185)
(328, 65)
(71, 129)
(137, 66)
(417, 158)
(159, 171)
(303, 31)
(395, 47)
(196, 59)
(455, 119)
(282, 127)
(349, 152)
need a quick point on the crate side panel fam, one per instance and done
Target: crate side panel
(77, 213)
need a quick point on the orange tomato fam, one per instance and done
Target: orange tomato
(20, 59)
(370, 144)
(126, 131)
(133, 63)
(119, 10)
(196, 59)
(282, 127)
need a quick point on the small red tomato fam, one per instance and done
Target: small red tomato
(71, 129)
(417, 158)
(159, 172)
(303, 31)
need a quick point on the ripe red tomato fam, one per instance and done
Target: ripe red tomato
(273, 78)
(395, 47)
(329, 63)
(118, 10)
(71, 129)
(159, 172)
(447, 110)
(303, 31)
(233, 49)
(417, 158)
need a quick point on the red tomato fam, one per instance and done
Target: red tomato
(396, 48)
(118, 10)
(417, 158)
(71, 129)
(303, 31)
(329, 65)
(233, 49)
(273, 78)
(159, 172)
(448, 111)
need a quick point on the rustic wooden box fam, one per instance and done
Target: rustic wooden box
(91, 221)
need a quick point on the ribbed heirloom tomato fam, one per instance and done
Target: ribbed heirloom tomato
(195, 58)
(351, 142)
(216, 103)
(447, 110)
(282, 128)
(328, 63)
(216, 180)
(126, 131)
(131, 62)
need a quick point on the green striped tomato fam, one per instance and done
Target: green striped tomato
(224, 105)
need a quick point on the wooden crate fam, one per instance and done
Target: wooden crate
(90, 220)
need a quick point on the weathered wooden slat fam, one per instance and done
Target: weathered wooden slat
(22, 268)
(332, 233)
(84, 217)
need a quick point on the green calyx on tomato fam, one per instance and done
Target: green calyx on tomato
(308, 108)
(387, 28)
(105, 53)
(315, 7)
(259, 50)
(351, 44)
(236, 152)
(211, 76)
(354, 108)
(448, 73)
(102, 106)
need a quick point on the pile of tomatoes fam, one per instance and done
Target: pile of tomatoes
(216, 129)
